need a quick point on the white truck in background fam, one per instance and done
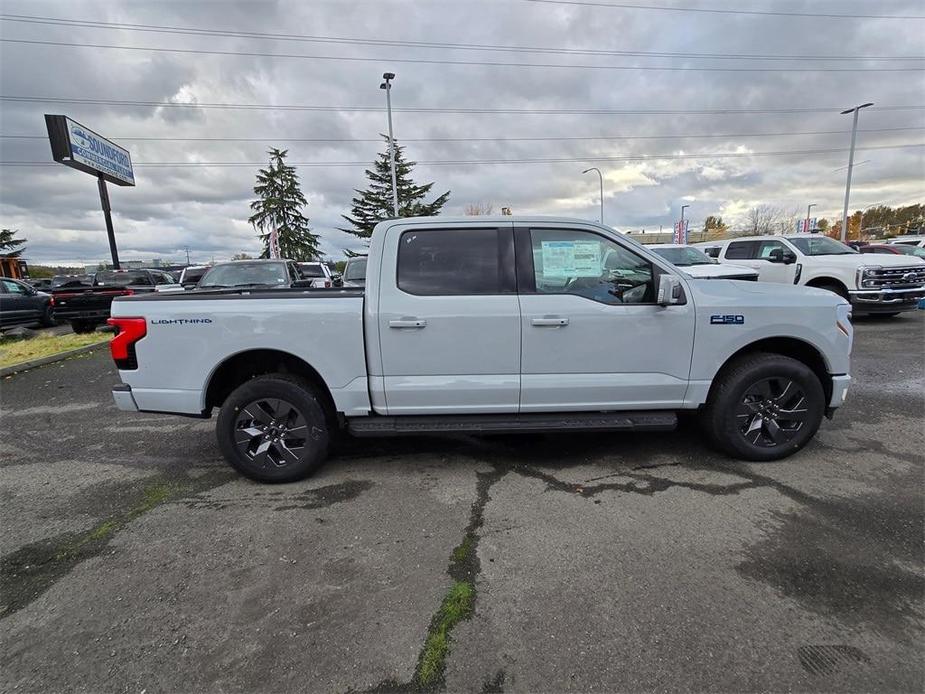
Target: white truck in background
(486, 325)
(882, 285)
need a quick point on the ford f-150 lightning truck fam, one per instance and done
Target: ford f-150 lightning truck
(487, 325)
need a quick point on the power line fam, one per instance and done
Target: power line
(347, 40)
(466, 63)
(482, 139)
(419, 109)
(769, 13)
(466, 162)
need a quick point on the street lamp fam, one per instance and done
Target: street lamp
(808, 208)
(601, 176)
(387, 85)
(854, 133)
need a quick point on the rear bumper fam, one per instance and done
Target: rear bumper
(125, 401)
(886, 300)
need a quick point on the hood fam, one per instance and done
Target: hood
(717, 271)
(856, 260)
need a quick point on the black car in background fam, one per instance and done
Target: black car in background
(88, 306)
(21, 304)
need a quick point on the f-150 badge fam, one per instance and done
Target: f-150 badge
(727, 320)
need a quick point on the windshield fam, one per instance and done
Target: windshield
(121, 278)
(820, 245)
(310, 270)
(240, 274)
(909, 250)
(683, 256)
(355, 270)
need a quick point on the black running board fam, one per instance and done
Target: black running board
(654, 420)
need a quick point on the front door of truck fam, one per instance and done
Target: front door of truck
(593, 337)
(449, 321)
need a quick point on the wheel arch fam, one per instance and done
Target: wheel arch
(792, 347)
(823, 280)
(242, 366)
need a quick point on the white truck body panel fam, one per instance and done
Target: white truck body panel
(482, 354)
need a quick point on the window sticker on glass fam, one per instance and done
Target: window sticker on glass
(571, 259)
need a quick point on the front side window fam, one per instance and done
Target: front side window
(14, 287)
(586, 264)
(447, 262)
(766, 247)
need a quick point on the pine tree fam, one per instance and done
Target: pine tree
(279, 204)
(375, 203)
(9, 246)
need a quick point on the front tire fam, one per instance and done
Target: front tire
(764, 407)
(273, 429)
(81, 326)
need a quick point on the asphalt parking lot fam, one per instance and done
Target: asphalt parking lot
(134, 560)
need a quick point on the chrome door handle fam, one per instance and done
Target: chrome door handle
(408, 323)
(556, 322)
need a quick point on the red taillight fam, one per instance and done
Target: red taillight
(122, 346)
(327, 284)
(128, 292)
(51, 301)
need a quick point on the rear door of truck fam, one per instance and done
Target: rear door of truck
(448, 320)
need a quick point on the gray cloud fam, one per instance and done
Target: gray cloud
(206, 208)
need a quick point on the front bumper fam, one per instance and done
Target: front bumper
(840, 385)
(125, 401)
(886, 299)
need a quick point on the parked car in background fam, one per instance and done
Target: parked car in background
(21, 304)
(86, 307)
(319, 273)
(489, 325)
(355, 272)
(885, 285)
(254, 274)
(909, 240)
(894, 249)
(191, 275)
(41, 284)
(698, 264)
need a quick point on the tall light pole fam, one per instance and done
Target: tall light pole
(601, 176)
(387, 85)
(808, 209)
(682, 237)
(854, 134)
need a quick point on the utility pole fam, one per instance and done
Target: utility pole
(601, 176)
(854, 133)
(387, 85)
(808, 209)
(187, 255)
(682, 237)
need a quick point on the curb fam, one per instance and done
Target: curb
(60, 356)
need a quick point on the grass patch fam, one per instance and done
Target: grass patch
(464, 550)
(457, 606)
(17, 351)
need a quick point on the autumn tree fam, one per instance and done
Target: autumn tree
(714, 228)
(375, 204)
(476, 209)
(279, 206)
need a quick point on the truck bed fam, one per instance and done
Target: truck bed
(201, 331)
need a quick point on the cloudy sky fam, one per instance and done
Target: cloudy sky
(594, 56)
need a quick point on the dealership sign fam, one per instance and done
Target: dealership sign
(75, 145)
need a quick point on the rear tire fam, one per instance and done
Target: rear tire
(48, 317)
(81, 326)
(764, 407)
(273, 429)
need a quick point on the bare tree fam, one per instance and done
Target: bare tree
(764, 219)
(476, 209)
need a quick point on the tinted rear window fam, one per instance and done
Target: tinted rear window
(122, 278)
(309, 270)
(449, 262)
(191, 276)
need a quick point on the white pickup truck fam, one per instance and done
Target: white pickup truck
(487, 325)
(884, 285)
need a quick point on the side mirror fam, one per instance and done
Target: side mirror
(776, 255)
(670, 291)
(789, 257)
